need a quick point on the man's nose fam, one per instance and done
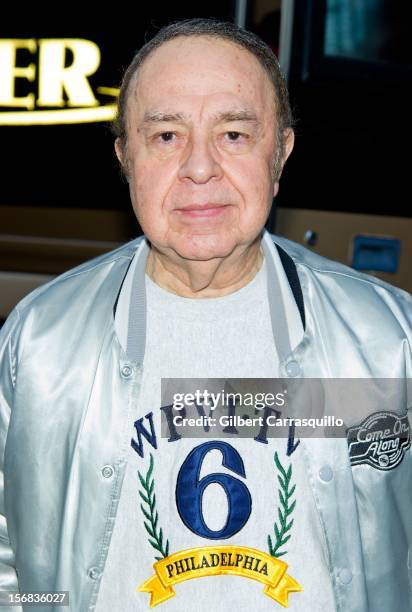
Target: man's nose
(201, 162)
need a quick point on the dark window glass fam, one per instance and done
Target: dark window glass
(371, 30)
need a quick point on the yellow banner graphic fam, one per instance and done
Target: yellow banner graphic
(215, 560)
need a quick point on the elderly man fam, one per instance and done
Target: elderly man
(96, 501)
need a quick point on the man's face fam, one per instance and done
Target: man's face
(201, 147)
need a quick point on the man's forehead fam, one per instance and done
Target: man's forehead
(201, 65)
(201, 47)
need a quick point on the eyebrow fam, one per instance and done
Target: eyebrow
(224, 116)
(237, 115)
(158, 117)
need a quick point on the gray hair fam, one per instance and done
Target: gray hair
(217, 29)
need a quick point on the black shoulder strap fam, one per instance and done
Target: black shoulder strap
(120, 288)
(294, 282)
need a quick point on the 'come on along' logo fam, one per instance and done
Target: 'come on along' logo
(48, 105)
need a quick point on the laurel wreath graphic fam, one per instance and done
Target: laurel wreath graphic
(284, 510)
(150, 513)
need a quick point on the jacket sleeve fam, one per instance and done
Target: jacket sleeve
(8, 575)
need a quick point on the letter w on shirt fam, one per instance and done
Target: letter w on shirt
(142, 431)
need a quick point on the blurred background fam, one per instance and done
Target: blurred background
(344, 192)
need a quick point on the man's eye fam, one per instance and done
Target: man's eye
(234, 136)
(167, 136)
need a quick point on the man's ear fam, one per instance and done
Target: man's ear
(288, 144)
(122, 157)
(118, 149)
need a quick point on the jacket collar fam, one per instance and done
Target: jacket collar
(136, 333)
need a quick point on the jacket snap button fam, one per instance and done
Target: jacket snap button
(345, 576)
(293, 369)
(107, 471)
(94, 573)
(126, 371)
(326, 473)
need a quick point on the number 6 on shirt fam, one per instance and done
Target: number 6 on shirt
(189, 491)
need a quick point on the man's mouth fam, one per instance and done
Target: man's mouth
(211, 209)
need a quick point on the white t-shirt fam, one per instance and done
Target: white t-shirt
(228, 337)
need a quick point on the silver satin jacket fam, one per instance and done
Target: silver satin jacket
(66, 395)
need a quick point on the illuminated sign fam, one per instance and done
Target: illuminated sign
(54, 79)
